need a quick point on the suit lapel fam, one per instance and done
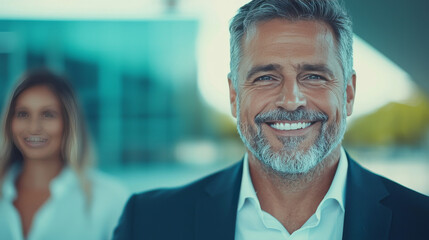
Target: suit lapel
(365, 216)
(216, 208)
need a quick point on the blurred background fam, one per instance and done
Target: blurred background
(151, 78)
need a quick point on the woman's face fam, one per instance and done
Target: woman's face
(37, 124)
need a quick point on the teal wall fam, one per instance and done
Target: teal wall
(136, 80)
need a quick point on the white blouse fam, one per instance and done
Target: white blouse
(65, 214)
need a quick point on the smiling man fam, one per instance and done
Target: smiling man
(291, 100)
(292, 86)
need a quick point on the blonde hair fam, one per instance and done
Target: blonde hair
(75, 148)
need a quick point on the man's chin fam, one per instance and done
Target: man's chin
(291, 147)
(291, 162)
(287, 143)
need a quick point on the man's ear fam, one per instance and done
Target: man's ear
(232, 97)
(351, 92)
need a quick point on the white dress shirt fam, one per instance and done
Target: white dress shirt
(64, 215)
(327, 222)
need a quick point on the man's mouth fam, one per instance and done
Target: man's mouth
(285, 126)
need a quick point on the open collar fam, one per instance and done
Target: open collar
(336, 192)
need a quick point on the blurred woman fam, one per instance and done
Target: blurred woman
(48, 190)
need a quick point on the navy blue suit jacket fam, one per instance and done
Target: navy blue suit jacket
(376, 208)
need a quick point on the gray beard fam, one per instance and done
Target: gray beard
(292, 161)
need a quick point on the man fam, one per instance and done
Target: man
(292, 85)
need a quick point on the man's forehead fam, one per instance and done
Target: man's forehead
(289, 29)
(277, 38)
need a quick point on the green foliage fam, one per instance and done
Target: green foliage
(392, 124)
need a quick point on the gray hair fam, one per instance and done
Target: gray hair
(328, 11)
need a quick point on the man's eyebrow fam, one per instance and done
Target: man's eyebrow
(263, 68)
(315, 68)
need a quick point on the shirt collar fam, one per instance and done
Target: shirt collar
(247, 191)
(336, 191)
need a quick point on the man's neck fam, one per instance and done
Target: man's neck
(293, 200)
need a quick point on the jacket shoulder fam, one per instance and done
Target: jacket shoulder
(401, 197)
(184, 194)
(410, 211)
(149, 213)
(398, 195)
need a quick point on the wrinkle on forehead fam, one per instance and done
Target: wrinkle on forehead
(308, 37)
(291, 30)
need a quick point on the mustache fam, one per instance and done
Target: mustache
(297, 115)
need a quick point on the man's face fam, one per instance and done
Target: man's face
(291, 99)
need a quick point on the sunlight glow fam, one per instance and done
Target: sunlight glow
(379, 80)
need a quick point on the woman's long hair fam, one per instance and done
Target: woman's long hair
(75, 147)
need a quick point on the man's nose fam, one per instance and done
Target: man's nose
(291, 97)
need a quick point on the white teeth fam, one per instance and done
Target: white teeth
(35, 139)
(288, 126)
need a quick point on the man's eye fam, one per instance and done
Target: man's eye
(314, 77)
(264, 78)
(21, 114)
